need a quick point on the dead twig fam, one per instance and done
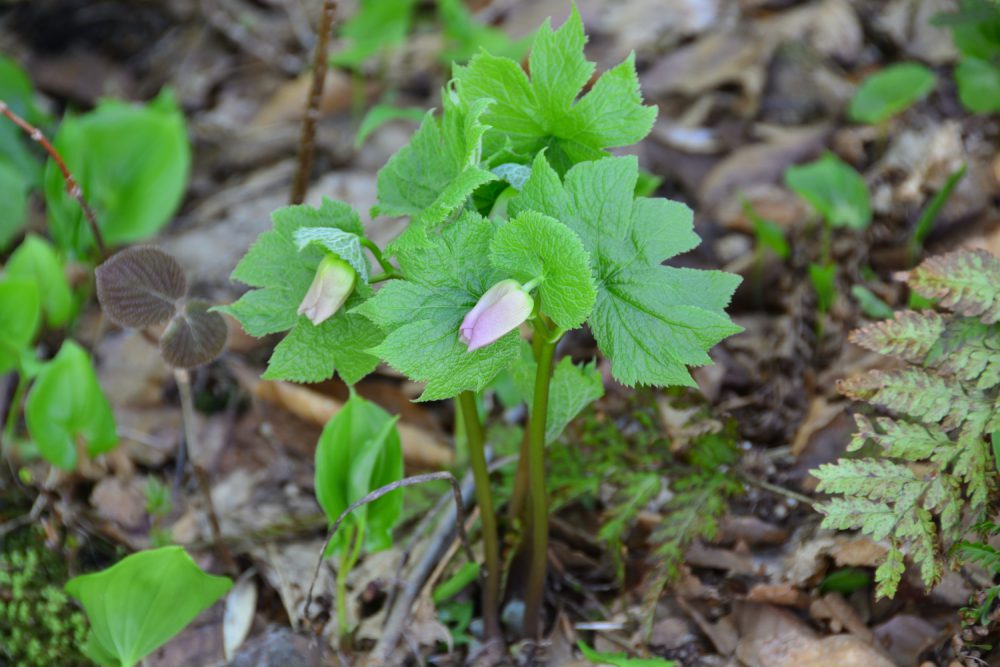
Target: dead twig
(307, 141)
(72, 187)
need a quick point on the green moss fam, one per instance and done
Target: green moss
(39, 625)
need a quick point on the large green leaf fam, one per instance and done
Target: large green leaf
(890, 91)
(138, 604)
(422, 314)
(132, 163)
(14, 195)
(358, 452)
(535, 246)
(835, 189)
(20, 316)
(283, 272)
(35, 259)
(66, 406)
(651, 321)
(529, 114)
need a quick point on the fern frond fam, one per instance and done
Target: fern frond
(965, 282)
(873, 518)
(910, 391)
(944, 498)
(910, 335)
(890, 572)
(900, 439)
(969, 350)
(974, 461)
(979, 553)
(917, 528)
(874, 479)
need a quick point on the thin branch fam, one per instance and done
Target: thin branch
(72, 187)
(378, 493)
(307, 140)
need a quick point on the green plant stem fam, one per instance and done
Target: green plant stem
(348, 558)
(536, 485)
(484, 498)
(387, 267)
(385, 275)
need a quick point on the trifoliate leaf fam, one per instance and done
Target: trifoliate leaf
(284, 273)
(195, 336)
(543, 111)
(345, 245)
(650, 320)
(835, 189)
(422, 314)
(66, 406)
(433, 176)
(140, 286)
(534, 246)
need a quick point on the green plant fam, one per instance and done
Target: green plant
(358, 452)
(133, 164)
(935, 467)
(39, 625)
(890, 91)
(139, 603)
(620, 659)
(20, 171)
(518, 215)
(839, 194)
(975, 28)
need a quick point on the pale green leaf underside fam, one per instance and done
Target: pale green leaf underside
(283, 272)
(345, 245)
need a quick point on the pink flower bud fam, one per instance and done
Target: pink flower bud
(333, 283)
(502, 309)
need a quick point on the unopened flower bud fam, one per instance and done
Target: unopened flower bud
(333, 283)
(500, 310)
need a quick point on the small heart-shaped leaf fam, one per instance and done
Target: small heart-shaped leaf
(194, 337)
(139, 286)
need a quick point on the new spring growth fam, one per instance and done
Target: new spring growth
(500, 310)
(333, 283)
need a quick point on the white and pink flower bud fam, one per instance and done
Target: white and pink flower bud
(333, 283)
(500, 310)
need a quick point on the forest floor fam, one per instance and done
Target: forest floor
(745, 88)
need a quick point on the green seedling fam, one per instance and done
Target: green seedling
(890, 91)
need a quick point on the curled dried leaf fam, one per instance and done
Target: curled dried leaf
(139, 287)
(194, 337)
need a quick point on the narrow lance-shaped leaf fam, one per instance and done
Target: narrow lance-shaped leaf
(358, 452)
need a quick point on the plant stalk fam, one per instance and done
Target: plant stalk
(536, 487)
(307, 140)
(348, 559)
(484, 499)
